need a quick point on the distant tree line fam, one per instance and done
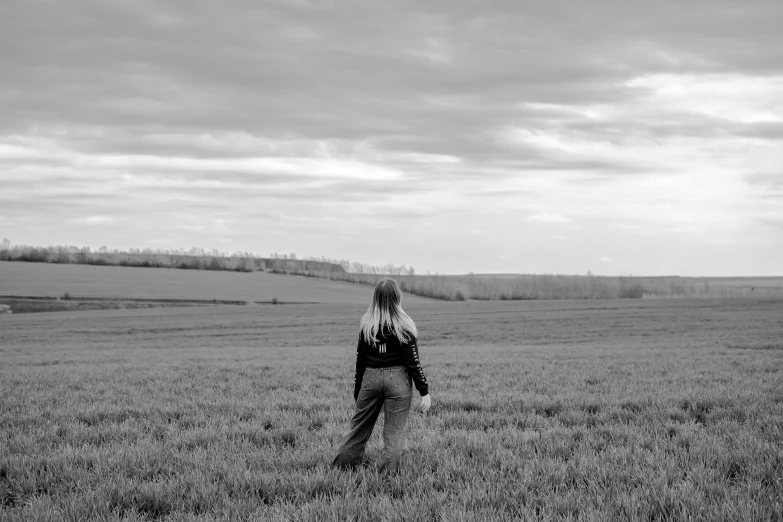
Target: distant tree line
(197, 258)
(353, 267)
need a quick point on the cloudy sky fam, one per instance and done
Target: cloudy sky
(614, 136)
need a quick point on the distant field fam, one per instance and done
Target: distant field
(545, 410)
(744, 282)
(501, 287)
(44, 279)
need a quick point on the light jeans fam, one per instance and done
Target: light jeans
(387, 388)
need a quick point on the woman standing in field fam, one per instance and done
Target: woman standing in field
(387, 359)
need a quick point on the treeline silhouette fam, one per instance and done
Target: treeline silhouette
(195, 258)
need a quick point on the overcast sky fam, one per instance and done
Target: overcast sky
(614, 136)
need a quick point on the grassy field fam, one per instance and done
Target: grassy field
(55, 280)
(547, 410)
(522, 287)
(85, 281)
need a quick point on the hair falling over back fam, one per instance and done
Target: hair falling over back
(386, 311)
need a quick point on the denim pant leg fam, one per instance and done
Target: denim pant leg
(396, 407)
(368, 407)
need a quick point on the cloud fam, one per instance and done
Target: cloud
(773, 180)
(455, 115)
(94, 220)
(773, 223)
(624, 226)
(733, 97)
(546, 217)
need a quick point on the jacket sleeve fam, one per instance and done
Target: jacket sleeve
(410, 354)
(361, 364)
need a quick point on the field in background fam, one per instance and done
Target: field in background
(615, 409)
(521, 287)
(502, 287)
(55, 280)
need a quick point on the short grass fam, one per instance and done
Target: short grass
(657, 410)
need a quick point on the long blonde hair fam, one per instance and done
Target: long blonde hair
(385, 310)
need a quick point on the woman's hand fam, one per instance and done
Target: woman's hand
(426, 402)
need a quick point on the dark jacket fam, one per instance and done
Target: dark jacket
(389, 351)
